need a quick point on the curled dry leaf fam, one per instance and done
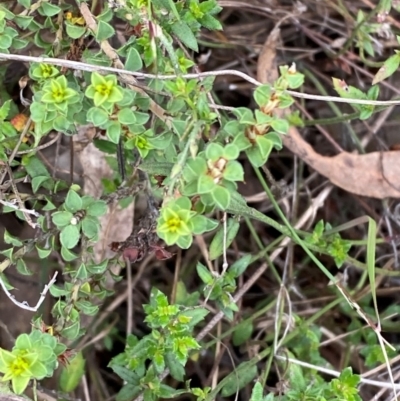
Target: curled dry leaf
(375, 175)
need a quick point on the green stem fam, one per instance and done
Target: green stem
(177, 169)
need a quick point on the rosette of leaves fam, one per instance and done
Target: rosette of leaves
(146, 141)
(115, 109)
(104, 90)
(33, 356)
(256, 134)
(178, 223)
(334, 244)
(167, 346)
(221, 288)
(80, 215)
(213, 175)
(55, 105)
(41, 71)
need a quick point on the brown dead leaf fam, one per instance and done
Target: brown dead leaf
(375, 175)
(117, 224)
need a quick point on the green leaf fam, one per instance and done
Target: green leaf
(205, 184)
(221, 197)
(366, 112)
(114, 131)
(125, 374)
(233, 171)
(62, 219)
(19, 44)
(210, 23)
(97, 116)
(280, 125)
(244, 115)
(185, 35)
(242, 333)
(71, 332)
(170, 6)
(128, 392)
(72, 373)
(97, 208)
(9, 239)
(389, 67)
(238, 379)
(105, 146)
(204, 274)
(90, 227)
(25, 3)
(133, 60)
(81, 273)
(22, 268)
(373, 92)
(194, 168)
(69, 236)
(104, 31)
(5, 109)
(48, 9)
(57, 292)
(202, 224)
(45, 351)
(231, 152)
(23, 341)
(61, 124)
(240, 265)
(126, 116)
(38, 182)
(262, 95)
(214, 151)
(5, 41)
(216, 246)
(185, 241)
(176, 369)
(264, 145)
(255, 156)
(38, 370)
(197, 315)
(73, 202)
(156, 168)
(43, 253)
(67, 255)
(297, 378)
(35, 167)
(257, 392)
(20, 383)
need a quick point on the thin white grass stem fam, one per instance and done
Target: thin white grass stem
(89, 67)
(24, 304)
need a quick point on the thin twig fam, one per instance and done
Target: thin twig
(129, 312)
(24, 304)
(18, 198)
(12, 205)
(89, 67)
(40, 147)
